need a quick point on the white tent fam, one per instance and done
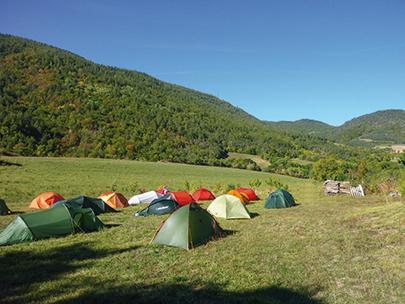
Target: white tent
(144, 198)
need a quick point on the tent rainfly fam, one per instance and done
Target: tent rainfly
(144, 198)
(160, 206)
(250, 193)
(58, 221)
(182, 197)
(243, 197)
(96, 204)
(114, 199)
(203, 194)
(279, 199)
(45, 200)
(187, 227)
(228, 207)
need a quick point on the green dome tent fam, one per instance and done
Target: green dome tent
(228, 207)
(187, 227)
(159, 206)
(3, 208)
(96, 204)
(279, 199)
(53, 222)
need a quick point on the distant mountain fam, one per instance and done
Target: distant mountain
(381, 127)
(303, 126)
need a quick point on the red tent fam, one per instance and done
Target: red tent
(203, 194)
(182, 198)
(250, 193)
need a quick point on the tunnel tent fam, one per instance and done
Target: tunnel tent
(160, 206)
(96, 204)
(4, 210)
(187, 227)
(58, 221)
(279, 199)
(229, 207)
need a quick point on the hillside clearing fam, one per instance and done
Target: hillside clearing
(326, 250)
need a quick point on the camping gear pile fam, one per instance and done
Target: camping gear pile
(187, 226)
(331, 187)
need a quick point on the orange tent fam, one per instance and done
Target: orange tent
(203, 194)
(114, 199)
(45, 200)
(242, 196)
(250, 193)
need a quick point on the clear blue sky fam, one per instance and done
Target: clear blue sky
(278, 60)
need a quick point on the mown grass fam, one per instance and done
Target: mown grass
(326, 250)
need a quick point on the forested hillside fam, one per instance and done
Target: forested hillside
(381, 127)
(56, 103)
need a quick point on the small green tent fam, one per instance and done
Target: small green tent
(187, 227)
(229, 207)
(279, 199)
(3, 208)
(159, 206)
(52, 222)
(96, 204)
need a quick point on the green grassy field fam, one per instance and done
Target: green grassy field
(325, 250)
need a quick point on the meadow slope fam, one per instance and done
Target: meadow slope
(325, 250)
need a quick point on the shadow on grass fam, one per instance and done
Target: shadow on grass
(111, 225)
(9, 163)
(190, 293)
(23, 269)
(27, 276)
(253, 214)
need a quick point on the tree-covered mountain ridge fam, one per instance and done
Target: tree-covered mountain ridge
(386, 126)
(53, 103)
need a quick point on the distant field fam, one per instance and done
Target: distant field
(326, 250)
(262, 163)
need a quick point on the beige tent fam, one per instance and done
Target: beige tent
(229, 207)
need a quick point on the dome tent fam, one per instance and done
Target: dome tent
(114, 199)
(160, 206)
(243, 197)
(203, 194)
(182, 197)
(187, 227)
(250, 193)
(279, 199)
(95, 204)
(228, 207)
(54, 222)
(45, 200)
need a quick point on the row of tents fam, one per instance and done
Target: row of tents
(187, 226)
